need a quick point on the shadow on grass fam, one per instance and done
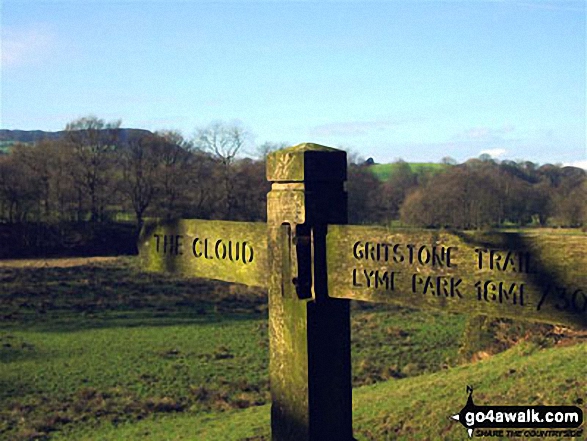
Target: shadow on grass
(67, 323)
(54, 299)
(15, 349)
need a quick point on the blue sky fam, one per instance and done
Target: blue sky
(417, 80)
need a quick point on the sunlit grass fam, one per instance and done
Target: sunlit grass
(104, 343)
(416, 408)
(100, 350)
(384, 171)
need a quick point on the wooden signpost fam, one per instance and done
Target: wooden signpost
(230, 251)
(312, 264)
(535, 277)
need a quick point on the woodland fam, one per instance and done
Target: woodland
(96, 180)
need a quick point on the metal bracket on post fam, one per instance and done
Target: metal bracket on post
(302, 280)
(288, 260)
(310, 370)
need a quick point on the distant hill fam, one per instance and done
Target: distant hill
(10, 137)
(384, 171)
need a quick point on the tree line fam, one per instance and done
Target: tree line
(480, 193)
(94, 175)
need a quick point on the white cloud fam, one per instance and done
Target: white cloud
(494, 153)
(26, 46)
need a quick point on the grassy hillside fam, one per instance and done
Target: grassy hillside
(383, 171)
(31, 136)
(11, 137)
(408, 409)
(95, 349)
(90, 342)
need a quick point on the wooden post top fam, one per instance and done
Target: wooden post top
(307, 162)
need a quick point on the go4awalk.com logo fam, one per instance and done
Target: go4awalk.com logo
(522, 421)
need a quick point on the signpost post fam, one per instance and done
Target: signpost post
(310, 360)
(312, 264)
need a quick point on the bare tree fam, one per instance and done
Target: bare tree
(364, 201)
(250, 190)
(224, 141)
(400, 182)
(173, 173)
(202, 186)
(267, 147)
(35, 161)
(91, 143)
(140, 159)
(19, 191)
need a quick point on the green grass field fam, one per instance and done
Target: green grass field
(409, 409)
(5, 146)
(95, 349)
(384, 171)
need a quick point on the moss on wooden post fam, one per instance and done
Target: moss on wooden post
(310, 366)
(522, 276)
(222, 250)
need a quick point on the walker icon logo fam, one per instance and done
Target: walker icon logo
(482, 420)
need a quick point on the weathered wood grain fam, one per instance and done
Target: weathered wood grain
(538, 277)
(310, 362)
(222, 250)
